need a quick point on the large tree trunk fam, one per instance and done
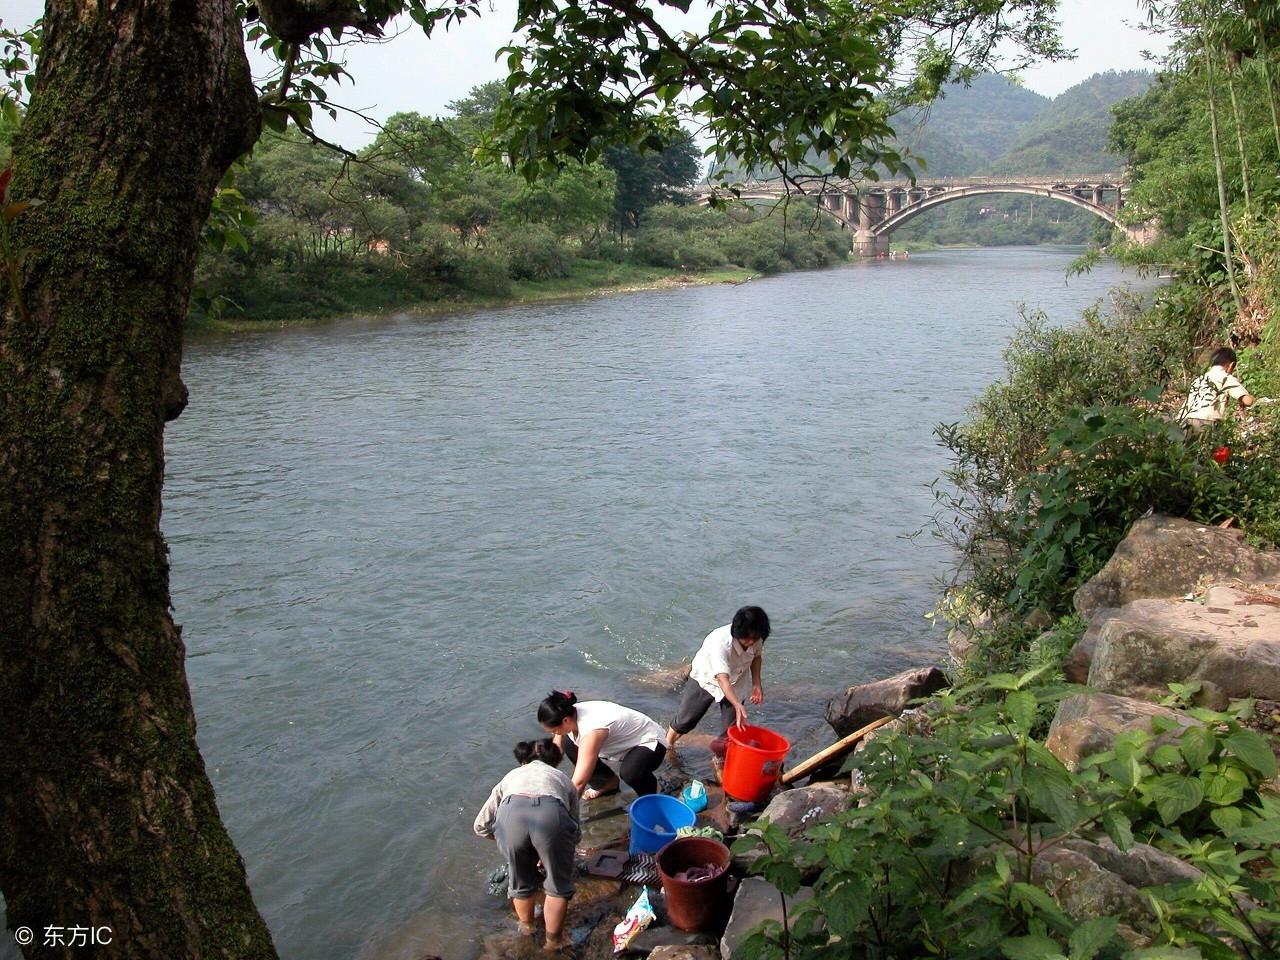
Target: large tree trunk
(107, 817)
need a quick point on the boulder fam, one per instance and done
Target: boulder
(1085, 890)
(685, 953)
(1167, 557)
(1231, 642)
(1089, 723)
(865, 702)
(796, 810)
(756, 902)
(1140, 866)
(1076, 664)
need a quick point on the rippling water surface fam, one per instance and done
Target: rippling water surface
(390, 539)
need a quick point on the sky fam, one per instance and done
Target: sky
(413, 73)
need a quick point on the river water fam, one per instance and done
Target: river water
(390, 539)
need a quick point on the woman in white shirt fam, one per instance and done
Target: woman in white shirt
(533, 815)
(598, 736)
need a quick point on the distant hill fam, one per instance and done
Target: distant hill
(994, 126)
(970, 127)
(1070, 135)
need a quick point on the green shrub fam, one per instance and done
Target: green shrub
(487, 272)
(661, 246)
(1105, 468)
(938, 857)
(533, 252)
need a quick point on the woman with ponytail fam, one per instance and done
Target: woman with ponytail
(533, 815)
(604, 741)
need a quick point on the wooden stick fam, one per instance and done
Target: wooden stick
(837, 749)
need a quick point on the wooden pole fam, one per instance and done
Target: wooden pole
(837, 749)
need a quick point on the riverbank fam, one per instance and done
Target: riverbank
(586, 279)
(1151, 823)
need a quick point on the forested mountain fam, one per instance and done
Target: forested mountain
(969, 127)
(995, 126)
(1070, 135)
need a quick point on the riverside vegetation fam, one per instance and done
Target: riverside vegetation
(1051, 469)
(414, 221)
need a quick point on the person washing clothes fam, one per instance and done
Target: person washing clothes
(1206, 402)
(596, 734)
(726, 670)
(533, 815)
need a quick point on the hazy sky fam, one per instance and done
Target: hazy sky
(413, 73)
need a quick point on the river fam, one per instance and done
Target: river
(391, 538)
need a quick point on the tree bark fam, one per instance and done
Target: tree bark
(107, 816)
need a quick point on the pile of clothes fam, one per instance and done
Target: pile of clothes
(701, 874)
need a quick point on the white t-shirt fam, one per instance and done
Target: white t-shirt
(627, 728)
(1207, 399)
(720, 653)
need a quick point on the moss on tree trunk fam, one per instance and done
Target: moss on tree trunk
(107, 817)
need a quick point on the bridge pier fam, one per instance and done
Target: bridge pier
(868, 244)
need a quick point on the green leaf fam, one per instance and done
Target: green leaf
(1091, 936)
(1227, 819)
(1118, 828)
(1253, 750)
(1021, 707)
(1174, 795)
(1197, 746)
(1225, 786)
(1034, 947)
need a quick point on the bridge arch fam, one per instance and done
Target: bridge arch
(931, 200)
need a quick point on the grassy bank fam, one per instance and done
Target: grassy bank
(303, 300)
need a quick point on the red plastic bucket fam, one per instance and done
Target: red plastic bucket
(753, 762)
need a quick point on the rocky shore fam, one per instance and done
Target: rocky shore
(1178, 603)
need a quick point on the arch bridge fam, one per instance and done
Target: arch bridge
(872, 211)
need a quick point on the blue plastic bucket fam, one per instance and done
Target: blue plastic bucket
(655, 820)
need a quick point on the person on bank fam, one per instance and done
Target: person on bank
(729, 657)
(604, 741)
(533, 814)
(1206, 402)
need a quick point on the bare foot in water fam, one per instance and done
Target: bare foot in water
(594, 793)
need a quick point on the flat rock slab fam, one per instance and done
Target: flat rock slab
(1231, 640)
(756, 902)
(1089, 723)
(666, 678)
(685, 953)
(1168, 557)
(865, 702)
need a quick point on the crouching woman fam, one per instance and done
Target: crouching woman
(533, 815)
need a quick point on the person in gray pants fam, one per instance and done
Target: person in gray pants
(533, 814)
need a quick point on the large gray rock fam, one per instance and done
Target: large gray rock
(1085, 890)
(1230, 641)
(797, 810)
(1166, 557)
(1140, 866)
(756, 902)
(1078, 660)
(865, 702)
(1089, 723)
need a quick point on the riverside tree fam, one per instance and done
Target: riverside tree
(107, 816)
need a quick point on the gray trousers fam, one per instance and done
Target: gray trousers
(529, 829)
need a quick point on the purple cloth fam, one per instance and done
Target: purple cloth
(700, 874)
